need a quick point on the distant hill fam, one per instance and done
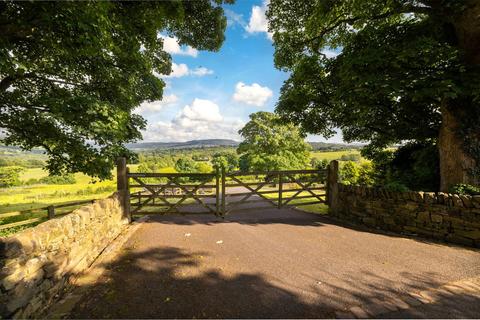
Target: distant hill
(206, 143)
(325, 146)
(193, 144)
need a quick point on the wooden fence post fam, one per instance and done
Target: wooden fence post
(217, 191)
(51, 212)
(332, 186)
(122, 185)
(280, 189)
(223, 191)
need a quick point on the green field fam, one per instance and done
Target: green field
(333, 155)
(38, 195)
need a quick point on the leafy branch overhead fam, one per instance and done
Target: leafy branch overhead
(384, 72)
(71, 73)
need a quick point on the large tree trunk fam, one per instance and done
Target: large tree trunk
(455, 164)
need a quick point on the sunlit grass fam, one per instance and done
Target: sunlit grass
(319, 208)
(29, 197)
(333, 155)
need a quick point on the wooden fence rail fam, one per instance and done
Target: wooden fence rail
(49, 214)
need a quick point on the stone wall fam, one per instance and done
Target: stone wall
(449, 217)
(39, 263)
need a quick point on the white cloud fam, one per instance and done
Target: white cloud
(254, 95)
(234, 18)
(199, 120)
(329, 53)
(258, 21)
(201, 71)
(170, 45)
(200, 110)
(155, 106)
(178, 70)
(181, 70)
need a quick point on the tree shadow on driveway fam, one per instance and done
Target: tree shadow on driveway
(171, 283)
(166, 283)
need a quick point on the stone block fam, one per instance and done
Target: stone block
(389, 220)
(18, 244)
(441, 198)
(436, 218)
(455, 238)
(419, 196)
(9, 282)
(476, 201)
(423, 217)
(467, 201)
(9, 267)
(470, 234)
(457, 202)
(22, 294)
(430, 197)
(371, 222)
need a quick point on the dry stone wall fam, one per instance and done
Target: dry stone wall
(39, 263)
(449, 217)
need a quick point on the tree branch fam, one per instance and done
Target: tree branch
(352, 20)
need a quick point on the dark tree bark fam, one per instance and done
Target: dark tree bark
(455, 163)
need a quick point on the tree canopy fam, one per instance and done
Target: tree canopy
(271, 144)
(71, 73)
(226, 159)
(384, 72)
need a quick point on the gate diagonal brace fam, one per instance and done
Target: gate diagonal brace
(189, 193)
(254, 192)
(303, 188)
(152, 196)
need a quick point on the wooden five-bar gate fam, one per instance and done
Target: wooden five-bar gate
(221, 192)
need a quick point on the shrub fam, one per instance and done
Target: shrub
(414, 165)
(319, 164)
(465, 189)
(366, 174)
(396, 186)
(10, 176)
(352, 173)
(65, 179)
(349, 173)
(351, 157)
(31, 181)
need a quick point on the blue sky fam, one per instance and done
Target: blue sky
(210, 94)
